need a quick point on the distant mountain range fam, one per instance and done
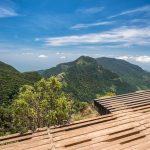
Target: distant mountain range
(84, 78)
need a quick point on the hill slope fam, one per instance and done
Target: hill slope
(84, 78)
(130, 73)
(56, 70)
(11, 80)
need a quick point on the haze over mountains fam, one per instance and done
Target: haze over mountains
(84, 78)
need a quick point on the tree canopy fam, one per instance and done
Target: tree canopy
(43, 104)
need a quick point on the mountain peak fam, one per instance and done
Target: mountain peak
(85, 60)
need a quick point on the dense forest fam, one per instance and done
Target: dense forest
(11, 80)
(130, 73)
(38, 105)
(86, 80)
(63, 93)
(138, 78)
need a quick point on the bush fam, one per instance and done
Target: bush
(43, 104)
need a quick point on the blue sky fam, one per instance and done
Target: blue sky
(38, 34)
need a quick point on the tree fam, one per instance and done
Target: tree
(43, 104)
(5, 120)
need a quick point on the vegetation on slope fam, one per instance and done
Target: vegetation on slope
(130, 73)
(40, 105)
(43, 104)
(11, 80)
(21, 114)
(56, 70)
(84, 78)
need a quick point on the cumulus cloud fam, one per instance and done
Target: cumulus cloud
(42, 56)
(145, 9)
(141, 59)
(7, 12)
(81, 26)
(124, 35)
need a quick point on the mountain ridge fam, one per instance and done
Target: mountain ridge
(11, 80)
(129, 72)
(133, 75)
(84, 77)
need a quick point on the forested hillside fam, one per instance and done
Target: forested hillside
(130, 73)
(11, 80)
(85, 79)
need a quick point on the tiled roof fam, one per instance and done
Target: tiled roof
(125, 126)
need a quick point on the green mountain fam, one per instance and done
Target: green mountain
(130, 73)
(84, 78)
(11, 80)
(56, 70)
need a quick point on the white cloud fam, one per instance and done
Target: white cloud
(144, 59)
(145, 9)
(124, 36)
(7, 12)
(123, 57)
(80, 26)
(91, 10)
(141, 59)
(42, 56)
(63, 57)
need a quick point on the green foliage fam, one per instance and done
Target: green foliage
(79, 106)
(84, 78)
(32, 77)
(83, 110)
(133, 74)
(10, 82)
(105, 94)
(43, 104)
(5, 120)
(55, 70)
